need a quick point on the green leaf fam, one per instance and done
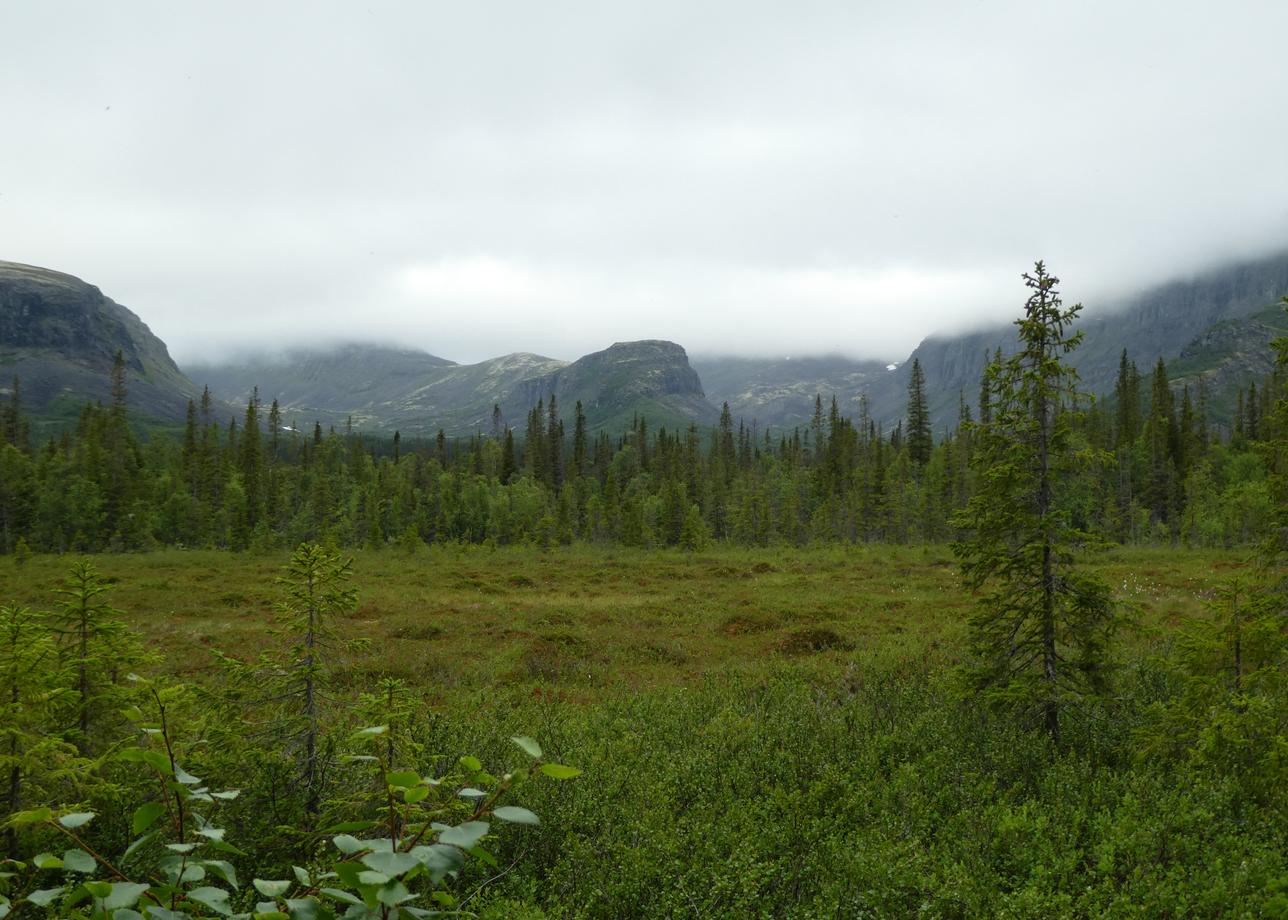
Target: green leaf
(345, 827)
(416, 794)
(154, 759)
(393, 894)
(225, 847)
(182, 847)
(348, 845)
(530, 747)
(214, 898)
(183, 776)
(125, 913)
(271, 888)
(348, 872)
(402, 779)
(46, 896)
(227, 795)
(469, 793)
(471, 763)
(390, 864)
(559, 771)
(146, 815)
(484, 856)
(515, 815)
(98, 889)
(303, 908)
(141, 841)
(26, 818)
(343, 896)
(47, 861)
(464, 836)
(302, 876)
(439, 860)
(76, 819)
(124, 894)
(163, 913)
(372, 732)
(223, 869)
(212, 833)
(77, 860)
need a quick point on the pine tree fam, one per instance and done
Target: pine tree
(918, 437)
(1040, 632)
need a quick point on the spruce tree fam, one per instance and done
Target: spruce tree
(28, 742)
(918, 436)
(316, 590)
(95, 644)
(1040, 632)
(579, 442)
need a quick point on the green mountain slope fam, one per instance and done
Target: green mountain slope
(1229, 356)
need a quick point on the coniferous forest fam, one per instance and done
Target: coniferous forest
(1029, 661)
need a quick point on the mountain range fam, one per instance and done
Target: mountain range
(58, 335)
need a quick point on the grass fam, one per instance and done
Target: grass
(591, 622)
(767, 733)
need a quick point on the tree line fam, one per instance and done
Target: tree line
(1159, 470)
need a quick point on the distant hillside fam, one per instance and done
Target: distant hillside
(651, 378)
(416, 393)
(779, 392)
(59, 335)
(1158, 323)
(1169, 321)
(336, 378)
(1227, 357)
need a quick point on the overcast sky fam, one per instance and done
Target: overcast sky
(778, 178)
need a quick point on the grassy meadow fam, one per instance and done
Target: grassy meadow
(593, 622)
(771, 733)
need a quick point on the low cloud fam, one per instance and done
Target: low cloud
(739, 178)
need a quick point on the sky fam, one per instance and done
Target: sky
(740, 177)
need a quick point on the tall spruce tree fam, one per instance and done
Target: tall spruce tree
(918, 435)
(1040, 633)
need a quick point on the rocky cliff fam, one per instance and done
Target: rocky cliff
(59, 336)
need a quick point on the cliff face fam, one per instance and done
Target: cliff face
(1158, 323)
(59, 336)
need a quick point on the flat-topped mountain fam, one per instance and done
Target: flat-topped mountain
(59, 336)
(651, 378)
